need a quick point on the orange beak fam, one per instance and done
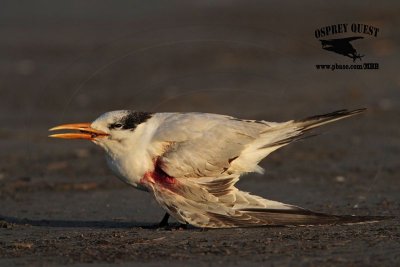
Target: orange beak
(85, 131)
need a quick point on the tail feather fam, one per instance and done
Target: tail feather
(274, 217)
(307, 217)
(277, 135)
(319, 120)
(269, 212)
(295, 130)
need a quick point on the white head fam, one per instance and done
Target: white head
(112, 130)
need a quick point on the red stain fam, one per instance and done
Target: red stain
(158, 176)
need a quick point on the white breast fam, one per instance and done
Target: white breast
(133, 158)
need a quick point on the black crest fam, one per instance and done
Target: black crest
(132, 120)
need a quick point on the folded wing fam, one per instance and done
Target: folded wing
(209, 145)
(217, 203)
(206, 156)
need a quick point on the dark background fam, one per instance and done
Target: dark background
(70, 61)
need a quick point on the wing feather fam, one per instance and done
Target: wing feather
(204, 145)
(217, 203)
(210, 145)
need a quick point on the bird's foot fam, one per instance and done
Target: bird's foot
(166, 226)
(183, 226)
(164, 222)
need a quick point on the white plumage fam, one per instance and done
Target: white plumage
(190, 162)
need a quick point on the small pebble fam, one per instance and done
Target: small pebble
(340, 179)
(82, 153)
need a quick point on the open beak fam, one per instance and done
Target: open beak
(85, 131)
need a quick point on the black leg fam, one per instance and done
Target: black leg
(183, 226)
(164, 221)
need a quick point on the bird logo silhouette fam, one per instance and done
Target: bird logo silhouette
(343, 47)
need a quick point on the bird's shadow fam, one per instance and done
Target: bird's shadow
(75, 223)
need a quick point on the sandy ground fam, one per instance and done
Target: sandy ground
(74, 60)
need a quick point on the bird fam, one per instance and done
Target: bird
(343, 47)
(190, 163)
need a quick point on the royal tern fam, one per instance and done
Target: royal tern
(190, 163)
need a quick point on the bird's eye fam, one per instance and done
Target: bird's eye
(116, 126)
